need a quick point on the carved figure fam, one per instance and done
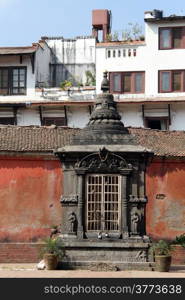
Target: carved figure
(72, 220)
(135, 220)
(141, 256)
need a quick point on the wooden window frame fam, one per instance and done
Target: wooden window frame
(10, 80)
(171, 81)
(100, 224)
(9, 121)
(133, 88)
(166, 119)
(172, 38)
(45, 119)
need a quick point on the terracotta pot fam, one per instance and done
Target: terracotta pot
(178, 255)
(162, 263)
(51, 261)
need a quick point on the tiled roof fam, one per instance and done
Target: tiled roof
(18, 50)
(45, 139)
(33, 138)
(161, 142)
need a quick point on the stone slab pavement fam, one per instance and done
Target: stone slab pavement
(30, 271)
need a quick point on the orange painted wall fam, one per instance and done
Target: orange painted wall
(30, 191)
(165, 218)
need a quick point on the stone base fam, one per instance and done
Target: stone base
(113, 266)
(119, 255)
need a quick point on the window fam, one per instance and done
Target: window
(114, 53)
(58, 121)
(13, 81)
(7, 121)
(103, 203)
(171, 81)
(127, 82)
(171, 38)
(157, 123)
(109, 54)
(119, 53)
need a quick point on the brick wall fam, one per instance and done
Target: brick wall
(20, 252)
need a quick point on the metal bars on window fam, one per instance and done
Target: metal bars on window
(103, 202)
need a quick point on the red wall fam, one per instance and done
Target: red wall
(165, 188)
(30, 190)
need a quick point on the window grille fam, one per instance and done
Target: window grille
(103, 202)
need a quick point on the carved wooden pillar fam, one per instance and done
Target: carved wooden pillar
(80, 230)
(124, 206)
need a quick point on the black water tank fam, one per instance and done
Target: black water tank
(157, 14)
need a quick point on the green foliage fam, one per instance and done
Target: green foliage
(161, 248)
(65, 84)
(132, 32)
(90, 78)
(53, 246)
(115, 36)
(109, 37)
(180, 240)
(79, 84)
(54, 226)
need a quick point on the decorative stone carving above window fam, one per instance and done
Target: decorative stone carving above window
(103, 161)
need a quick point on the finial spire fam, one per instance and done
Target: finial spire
(105, 83)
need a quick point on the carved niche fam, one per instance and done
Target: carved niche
(137, 215)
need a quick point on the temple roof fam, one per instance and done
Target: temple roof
(46, 138)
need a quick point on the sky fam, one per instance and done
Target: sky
(23, 22)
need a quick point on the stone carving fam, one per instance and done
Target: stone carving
(103, 160)
(141, 256)
(72, 222)
(135, 221)
(135, 199)
(69, 200)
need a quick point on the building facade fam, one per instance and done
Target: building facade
(147, 77)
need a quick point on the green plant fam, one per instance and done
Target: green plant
(65, 84)
(179, 240)
(53, 246)
(54, 226)
(90, 78)
(109, 37)
(161, 248)
(115, 36)
(132, 32)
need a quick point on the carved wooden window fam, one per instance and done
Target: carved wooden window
(103, 203)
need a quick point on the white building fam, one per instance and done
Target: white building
(71, 59)
(148, 77)
(26, 80)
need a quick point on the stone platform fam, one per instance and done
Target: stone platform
(115, 255)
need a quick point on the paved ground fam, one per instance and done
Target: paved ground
(30, 271)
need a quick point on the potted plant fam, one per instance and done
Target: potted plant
(178, 247)
(52, 252)
(66, 85)
(162, 255)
